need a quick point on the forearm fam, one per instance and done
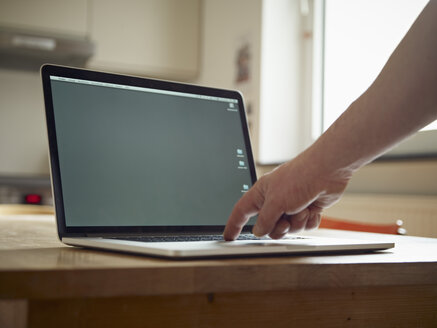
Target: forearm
(402, 99)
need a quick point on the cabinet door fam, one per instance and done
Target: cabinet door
(152, 38)
(55, 16)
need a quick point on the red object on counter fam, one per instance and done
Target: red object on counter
(33, 199)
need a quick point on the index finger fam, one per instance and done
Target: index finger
(248, 206)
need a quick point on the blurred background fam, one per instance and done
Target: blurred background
(298, 63)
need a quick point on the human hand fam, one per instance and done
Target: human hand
(288, 199)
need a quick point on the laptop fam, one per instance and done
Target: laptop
(154, 167)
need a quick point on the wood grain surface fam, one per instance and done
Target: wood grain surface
(400, 306)
(35, 264)
(44, 283)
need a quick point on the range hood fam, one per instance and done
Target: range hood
(28, 50)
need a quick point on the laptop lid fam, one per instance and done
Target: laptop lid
(132, 155)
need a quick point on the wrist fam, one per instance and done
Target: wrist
(330, 175)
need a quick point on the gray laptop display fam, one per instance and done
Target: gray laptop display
(153, 167)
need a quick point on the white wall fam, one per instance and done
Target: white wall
(224, 24)
(282, 85)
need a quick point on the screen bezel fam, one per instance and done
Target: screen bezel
(70, 72)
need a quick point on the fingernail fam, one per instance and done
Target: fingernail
(285, 230)
(228, 237)
(257, 231)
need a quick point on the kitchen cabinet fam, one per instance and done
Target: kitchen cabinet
(67, 17)
(158, 38)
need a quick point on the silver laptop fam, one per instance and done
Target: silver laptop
(154, 167)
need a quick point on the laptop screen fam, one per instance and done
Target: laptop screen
(131, 155)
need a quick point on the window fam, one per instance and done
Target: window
(358, 38)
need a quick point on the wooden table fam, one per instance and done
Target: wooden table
(44, 283)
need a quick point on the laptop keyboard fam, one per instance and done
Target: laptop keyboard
(149, 239)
